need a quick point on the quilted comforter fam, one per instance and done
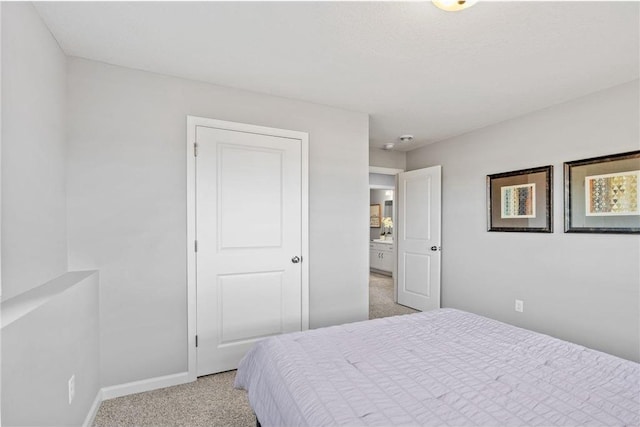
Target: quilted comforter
(438, 368)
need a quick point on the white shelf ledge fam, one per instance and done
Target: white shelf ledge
(23, 304)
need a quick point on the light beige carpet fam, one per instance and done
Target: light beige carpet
(381, 298)
(212, 401)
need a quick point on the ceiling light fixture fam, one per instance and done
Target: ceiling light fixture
(406, 138)
(454, 5)
(388, 146)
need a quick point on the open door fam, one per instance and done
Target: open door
(418, 238)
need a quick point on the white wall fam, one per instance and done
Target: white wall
(387, 158)
(382, 179)
(34, 248)
(43, 348)
(0, 161)
(582, 288)
(127, 205)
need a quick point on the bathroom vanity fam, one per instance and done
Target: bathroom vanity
(381, 256)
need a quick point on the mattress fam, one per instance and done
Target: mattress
(439, 368)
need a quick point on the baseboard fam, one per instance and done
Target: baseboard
(134, 387)
(88, 421)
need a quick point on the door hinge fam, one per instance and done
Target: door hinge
(195, 246)
(195, 149)
(196, 340)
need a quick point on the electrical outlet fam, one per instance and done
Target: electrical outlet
(72, 388)
(519, 305)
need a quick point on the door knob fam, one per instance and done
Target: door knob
(295, 259)
(435, 248)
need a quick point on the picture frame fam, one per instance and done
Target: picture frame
(601, 194)
(375, 216)
(521, 201)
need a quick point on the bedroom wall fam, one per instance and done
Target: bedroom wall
(387, 159)
(127, 205)
(381, 179)
(581, 288)
(34, 248)
(55, 337)
(46, 336)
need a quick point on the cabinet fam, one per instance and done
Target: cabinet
(381, 256)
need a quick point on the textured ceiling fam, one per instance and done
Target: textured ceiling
(414, 68)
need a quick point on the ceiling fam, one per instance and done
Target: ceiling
(414, 68)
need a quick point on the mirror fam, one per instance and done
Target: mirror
(383, 199)
(388, 208)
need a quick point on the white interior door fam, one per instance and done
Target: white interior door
(418, 238)
(248, 231)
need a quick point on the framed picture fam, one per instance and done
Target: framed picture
(601, 194)
(374, 216)
(521, 200)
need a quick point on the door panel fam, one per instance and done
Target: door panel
(416, 271)
(416, 216)
(418, 239)
(248, 227)
(245, 194)
(263, 291)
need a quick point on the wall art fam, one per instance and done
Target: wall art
(521, 200)
(601, 194)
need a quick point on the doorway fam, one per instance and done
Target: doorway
(415, 242)
(382, 252)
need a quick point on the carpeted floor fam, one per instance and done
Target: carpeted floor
(381, 298)
(212, 401)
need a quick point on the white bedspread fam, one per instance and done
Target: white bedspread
(444, 367)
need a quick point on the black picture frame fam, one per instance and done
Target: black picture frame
(375, 216)
(591, 200)
(521, 201)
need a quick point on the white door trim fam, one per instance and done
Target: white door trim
(192, 123)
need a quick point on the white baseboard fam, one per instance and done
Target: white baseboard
(114, 391)
(134, 387)
(88, 421)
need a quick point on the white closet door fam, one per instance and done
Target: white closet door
(248, 230)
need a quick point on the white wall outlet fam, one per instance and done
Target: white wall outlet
(72, 388)
(519, 305)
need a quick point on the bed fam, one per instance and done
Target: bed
(443, 367)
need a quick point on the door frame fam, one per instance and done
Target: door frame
(192, 123)
(393, 172)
